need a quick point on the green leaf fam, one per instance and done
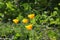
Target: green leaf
(9, 5)
(54, 13)
(26, 6)
(17, 34)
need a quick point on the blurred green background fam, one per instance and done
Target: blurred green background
(46, 22)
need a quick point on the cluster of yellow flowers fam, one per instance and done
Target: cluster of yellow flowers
(29, 27)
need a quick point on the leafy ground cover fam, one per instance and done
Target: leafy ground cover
(30, 19)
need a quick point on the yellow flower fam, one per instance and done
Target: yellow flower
(15, 21)
(25, 20)
(29, 27)
(31, 16)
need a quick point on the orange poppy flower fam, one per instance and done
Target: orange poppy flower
(29, 27)
(15, 21)
(25, 20)
(31, 16)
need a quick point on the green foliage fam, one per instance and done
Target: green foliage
(46, 23)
